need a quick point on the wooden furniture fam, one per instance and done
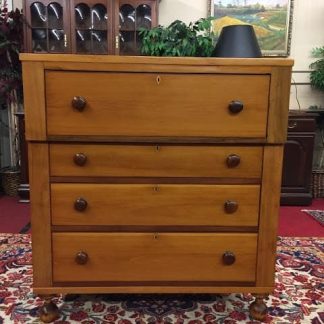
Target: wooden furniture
(23, 189)
(154, 175)
(298, 159)
(87, 27)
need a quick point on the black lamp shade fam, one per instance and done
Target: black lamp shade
(237, 41)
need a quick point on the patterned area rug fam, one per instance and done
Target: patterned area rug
(316, 214)
(298, 296)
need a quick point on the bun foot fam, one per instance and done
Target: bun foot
(49, 312)
(258, 309)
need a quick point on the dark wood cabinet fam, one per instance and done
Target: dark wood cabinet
(47, 26)
(298, 158)
(87, 26)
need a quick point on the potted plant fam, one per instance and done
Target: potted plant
(317, 69)
(11, 40)
(179, 39)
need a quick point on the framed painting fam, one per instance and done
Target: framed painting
(271, 19)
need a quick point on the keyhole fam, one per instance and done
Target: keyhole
(156, 236)
(158, 80)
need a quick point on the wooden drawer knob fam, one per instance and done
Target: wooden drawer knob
(230, 206)
(228, 258)
(235, 106)
(233, 160)
(80, 159)
(81, 257)
(79, 103)
(80, 204)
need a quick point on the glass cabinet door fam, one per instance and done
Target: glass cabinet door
(87, 26)
(90, 27)
(134, 15)
(47, 32)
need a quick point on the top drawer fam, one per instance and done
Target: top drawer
(152, 104)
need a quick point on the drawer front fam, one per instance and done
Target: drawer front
(301, 124)
(153, 257)
(142, 204)
(155, 161)
(150, 104)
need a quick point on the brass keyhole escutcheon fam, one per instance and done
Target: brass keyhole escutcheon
(156, 236)
(158, 80)
(156, 188)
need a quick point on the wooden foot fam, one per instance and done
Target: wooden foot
(49, 312)
(258, 309)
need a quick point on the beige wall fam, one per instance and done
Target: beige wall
(185, 10)
(307, 33)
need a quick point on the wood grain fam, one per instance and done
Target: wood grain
(153, 256)
(157, 289)
(156, 139)
(151, 205)
(155, 161)
(40, 214)
(135, 104)
(269, 213)
(156, 228)
(94, 59)
(34, 101)
(279, 104)
(173, 135)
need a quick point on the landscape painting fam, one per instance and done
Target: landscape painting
(271, 20)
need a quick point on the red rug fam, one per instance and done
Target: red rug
(297, 298)
(294, 222)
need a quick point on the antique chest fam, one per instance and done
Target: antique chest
(154, 175)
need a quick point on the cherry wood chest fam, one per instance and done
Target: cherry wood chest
(155, 175)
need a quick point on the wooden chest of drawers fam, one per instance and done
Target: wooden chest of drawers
(154, 174)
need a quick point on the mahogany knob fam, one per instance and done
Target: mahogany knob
(235, 106)
(81, 257)
(228, 258)
(233, 160)
(80, 204)
(80, 159)
(230, 206)
(79, 103)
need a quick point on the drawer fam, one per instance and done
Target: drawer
(301, 124)
(155, 161)
(146, 204)
(150, 104)
(97, 257)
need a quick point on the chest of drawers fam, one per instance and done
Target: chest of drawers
(154, 175)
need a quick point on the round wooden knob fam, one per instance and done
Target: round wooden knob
(80, 159)
(79, 103)
(81, 257)
(230, 206)
(80, 204)
(235, 106)
(233, 160)
(228, 258)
